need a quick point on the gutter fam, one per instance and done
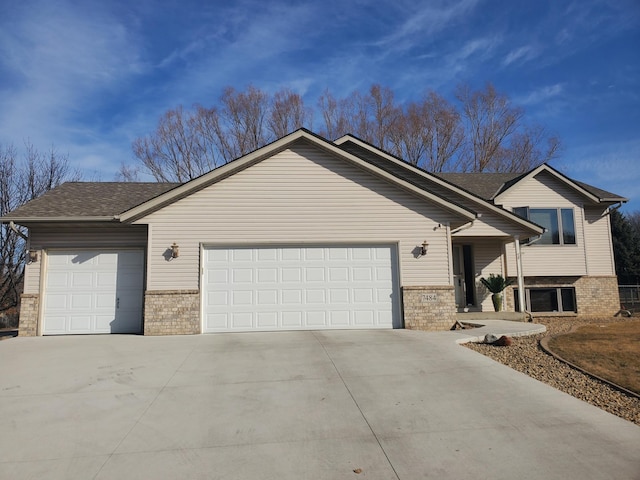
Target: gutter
(613, 208)
(13, 227)
(534, 240)
(112, 218)
(463, 227)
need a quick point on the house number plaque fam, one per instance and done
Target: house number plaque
(429, 297)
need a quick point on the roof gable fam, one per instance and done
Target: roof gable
(591, 193)
(267, 151)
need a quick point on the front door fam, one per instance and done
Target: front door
(463, 276)
(458, 276)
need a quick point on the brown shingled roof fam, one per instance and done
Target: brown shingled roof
(89, 199)
(484, 185)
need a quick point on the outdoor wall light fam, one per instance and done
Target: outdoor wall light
(33, 256)
(423, 248)
(175, 250)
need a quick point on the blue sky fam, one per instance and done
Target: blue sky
(89, 77)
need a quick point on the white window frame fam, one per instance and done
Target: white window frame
(558, 210)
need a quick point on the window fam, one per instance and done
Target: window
(559, 224)
(548, 299)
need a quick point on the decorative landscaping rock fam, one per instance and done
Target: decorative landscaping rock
(503, 341)
(490, 338)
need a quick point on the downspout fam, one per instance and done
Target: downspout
(520, 273)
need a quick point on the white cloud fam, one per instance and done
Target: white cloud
(425, 21)
(540, 95)
(520, 55)
(614, 167)
(60, 60)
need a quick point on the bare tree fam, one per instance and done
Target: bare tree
(429, 134)
(175, 151)
(336, 116)
(243, 114)
(496, 137)
(385, 114)
(483, 132)
(23, 178)
(128, 173)
(490, 120)
(288, 113)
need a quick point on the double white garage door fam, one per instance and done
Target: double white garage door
(300, 288)
(243, 289)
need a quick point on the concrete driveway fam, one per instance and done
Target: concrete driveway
(293, 405)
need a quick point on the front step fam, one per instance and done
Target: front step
(463, 317)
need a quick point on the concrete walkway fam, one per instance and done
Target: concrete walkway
(294, 405)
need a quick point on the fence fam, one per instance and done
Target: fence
(630, 297)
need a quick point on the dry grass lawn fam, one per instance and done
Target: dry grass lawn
(611, 351)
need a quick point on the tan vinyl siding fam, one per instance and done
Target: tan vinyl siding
(546, 191)
(301, 195)
(489, 224)
(597, 232)
(72, 236)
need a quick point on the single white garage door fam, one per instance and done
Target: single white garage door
(300, 288)
(92, 291)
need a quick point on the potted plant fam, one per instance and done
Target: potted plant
(496, 284)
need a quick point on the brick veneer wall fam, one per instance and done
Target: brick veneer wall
(596, 296)
(429, 308)
(29, 307)
(172, 312)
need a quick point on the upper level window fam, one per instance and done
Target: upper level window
(558, 222)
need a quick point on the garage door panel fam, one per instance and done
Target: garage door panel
(241, 298)
(314, 274)
(218, 298)
(242, 320)
(362, 253)
(93, 292)
(56, 323)
(317, 319)
(364, 317)
(267, 254)
(266, 320)
(292, 319)
(291, 274)
(80, 323)
(339, 295)
(315, 296)
(338, 318)
(338, 274)
(291, 254)
(362, 295)
(267, 297)
(300, 288)
(81, 300)
(267, 275)
(56, 302)
(242, 255)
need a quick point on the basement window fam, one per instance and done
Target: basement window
(548, 299)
